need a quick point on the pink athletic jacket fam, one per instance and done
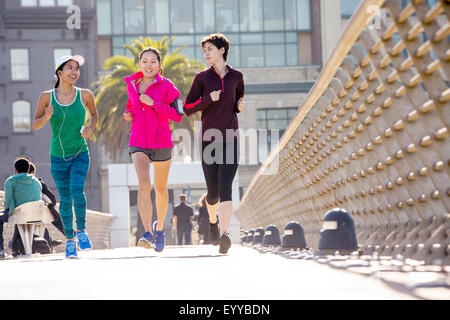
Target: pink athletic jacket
(151, 127)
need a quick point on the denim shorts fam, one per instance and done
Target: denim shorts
(156, 155)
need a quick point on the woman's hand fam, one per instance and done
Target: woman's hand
(127, 116)
(242, 104)
(49, 111)
(215, 95)
(146, 99)
(86, 132)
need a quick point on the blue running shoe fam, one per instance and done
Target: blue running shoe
(71, 249)
(160, 237)
(146, 241)
(83, 240)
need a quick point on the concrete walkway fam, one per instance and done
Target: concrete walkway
(195, 272)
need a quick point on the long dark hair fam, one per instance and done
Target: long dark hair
(60, 69)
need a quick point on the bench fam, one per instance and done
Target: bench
(30, 219)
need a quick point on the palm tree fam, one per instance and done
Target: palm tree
(111, 94)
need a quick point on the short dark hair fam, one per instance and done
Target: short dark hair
(32, 168)
(22, 165)
(183, 197)
(219, 41)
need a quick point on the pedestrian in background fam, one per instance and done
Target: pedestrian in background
(182, 221)
(203, 220)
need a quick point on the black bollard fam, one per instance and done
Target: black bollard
(244, 237)
(338, 232)
(271, 236)
(250, 236)
(294, 237)
(258, 236)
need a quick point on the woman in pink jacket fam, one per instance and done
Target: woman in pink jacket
(148, 108)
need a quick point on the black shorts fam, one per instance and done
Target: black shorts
(156, 155)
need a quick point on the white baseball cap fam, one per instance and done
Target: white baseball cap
(64, 59)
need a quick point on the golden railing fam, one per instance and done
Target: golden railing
(371, 137)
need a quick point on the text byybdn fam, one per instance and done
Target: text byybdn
(227, 309)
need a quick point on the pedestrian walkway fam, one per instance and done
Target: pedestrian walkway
(137, 273)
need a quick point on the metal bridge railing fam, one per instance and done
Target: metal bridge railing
(371, 137)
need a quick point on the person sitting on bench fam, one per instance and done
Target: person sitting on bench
(50, 200)
(19, 189)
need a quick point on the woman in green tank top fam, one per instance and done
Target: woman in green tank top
(65, 107)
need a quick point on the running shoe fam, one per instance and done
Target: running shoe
(160, 237)
(214, 233)
(146, 241)
(83, 241)
(71, 249)
(224, 243)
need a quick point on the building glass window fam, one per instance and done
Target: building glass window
(134, 16)
(273, 15)
(227, 15)
(251, 15)
(303, 15)
(181, 16)
(292, 54)
(28, 3)
(104, 19)
(157, 15)
(58, 53)
(242, 21)
(204, 15)
(65, 3)
(47, 3)
(20, 69)
(117, 17)
(251, 56)
(348, 7)
(275, 55)
(21, 116)
(290, 18)
(273, 123)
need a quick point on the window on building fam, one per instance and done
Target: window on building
(118, 17)
(134, 16)
(204, 15)
(303, 15)
(182, 16)
(251, 15)
(273, 15)
(64, 3)
(227, 17)
(157, 16)
(104, 19)
(60, 52)
(45, 3)
(272, 124)
(21, 116)
(20, 69)
(29, 3)
(348, 7)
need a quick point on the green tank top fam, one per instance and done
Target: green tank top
(66, 123)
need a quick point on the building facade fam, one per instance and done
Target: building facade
(33, 35)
